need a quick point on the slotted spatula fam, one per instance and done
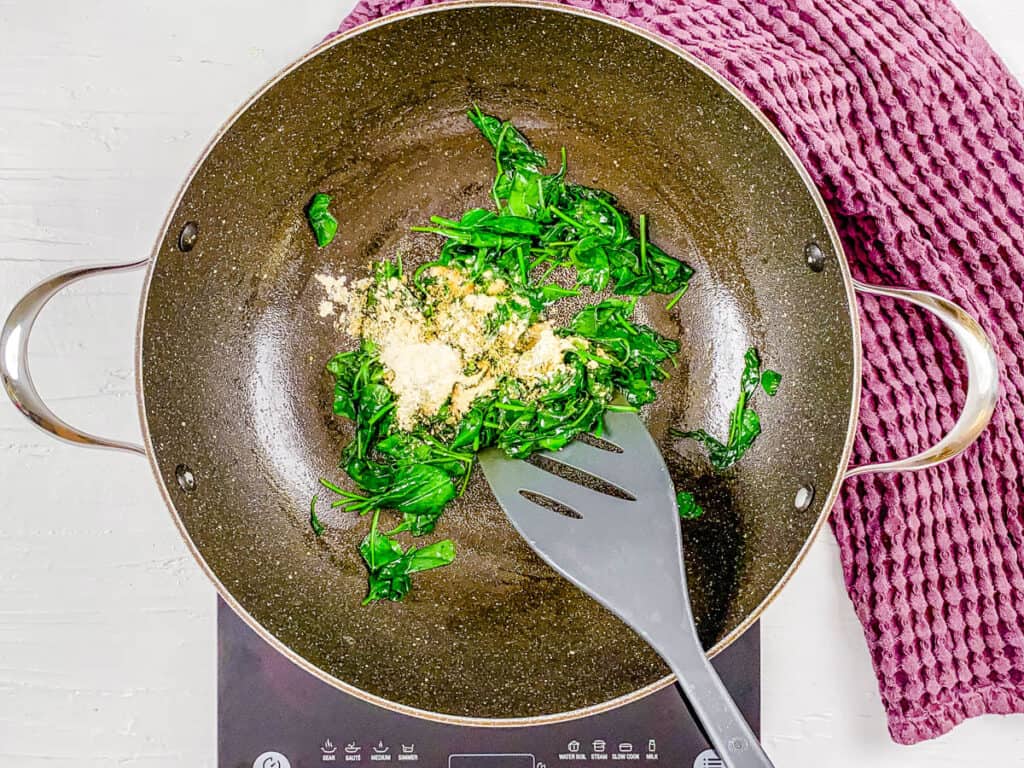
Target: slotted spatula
(627, 555)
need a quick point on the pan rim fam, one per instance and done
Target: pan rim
(842, 264)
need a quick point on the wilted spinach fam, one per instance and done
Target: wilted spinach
(557, 224)
(314, 521)
(689, 509)
(323, 224)
(541, 224)
(390, 566)
(770, 382)
(744, 423)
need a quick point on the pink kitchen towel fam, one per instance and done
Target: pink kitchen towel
(911, 127)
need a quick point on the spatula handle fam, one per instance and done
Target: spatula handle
(714, 709)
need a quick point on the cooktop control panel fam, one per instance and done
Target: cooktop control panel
(272, 714)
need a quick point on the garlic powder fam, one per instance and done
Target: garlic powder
(451, 346)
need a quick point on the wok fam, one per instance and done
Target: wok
(234, 401)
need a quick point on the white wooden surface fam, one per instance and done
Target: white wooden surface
(106, 626)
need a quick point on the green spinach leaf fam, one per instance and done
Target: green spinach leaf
(744, 423)
(323, 224)
(314, 521)
(390, 567)
(689, 509)
(770, 382)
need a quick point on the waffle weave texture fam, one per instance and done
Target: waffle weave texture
(910, 126)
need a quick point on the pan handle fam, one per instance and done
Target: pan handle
(982, 381)
(14, 370)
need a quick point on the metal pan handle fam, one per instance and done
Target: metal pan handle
(982, 381)
(14, 370)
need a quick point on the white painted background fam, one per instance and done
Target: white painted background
(106, 626)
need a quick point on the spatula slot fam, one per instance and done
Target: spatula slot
(579, 477)
(598, 442)
(551, 504)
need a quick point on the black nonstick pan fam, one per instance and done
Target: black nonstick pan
(233, 398)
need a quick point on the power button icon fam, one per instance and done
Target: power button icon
(271, 760)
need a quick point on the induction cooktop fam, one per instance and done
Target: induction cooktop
(273, 714)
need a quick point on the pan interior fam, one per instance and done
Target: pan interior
(233, 348)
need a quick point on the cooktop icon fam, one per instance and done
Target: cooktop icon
(328, 747)
(380, 749)
(352, 748)
(600, 745)
(708, 759)
(271, 759)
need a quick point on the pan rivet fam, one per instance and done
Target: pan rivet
(189, 235)
(815, 257)
(804, 497)
(186, 479)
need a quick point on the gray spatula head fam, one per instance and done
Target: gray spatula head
(626, 553)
